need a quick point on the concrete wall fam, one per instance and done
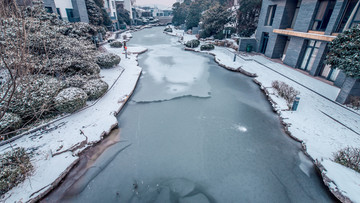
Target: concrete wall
(350, 86)
(294, 51)
(244, 41)
(80, 10)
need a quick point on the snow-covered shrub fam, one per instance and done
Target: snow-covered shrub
(168, 29)
(285, 91)
(192, 43)
(14, 166)
(207, 47)
(9, 122)
(70, 99)
(108, 60)
(349, 157)
(116, 44)
(95, 88)
(354, 102)
(33, 95)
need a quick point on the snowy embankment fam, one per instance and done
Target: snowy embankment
(55, 148)
(320, 124)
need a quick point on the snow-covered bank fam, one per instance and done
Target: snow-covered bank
(321, 125)
(55, 148)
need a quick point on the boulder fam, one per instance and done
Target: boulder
(95, 88)
(207, 47)
(116, 44)
(168, 29)
(70, 99)
(9, 122)
(192, 43)
(108, 60)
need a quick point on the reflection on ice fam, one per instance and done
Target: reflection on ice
(173, 73)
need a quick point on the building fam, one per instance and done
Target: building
(110, 8)
(68, 10)
(298, 32)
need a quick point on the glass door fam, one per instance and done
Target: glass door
(311, 51)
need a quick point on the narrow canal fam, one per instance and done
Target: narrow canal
(195, 132)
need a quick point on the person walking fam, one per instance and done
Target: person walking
(125, 48)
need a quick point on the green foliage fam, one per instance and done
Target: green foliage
(14, 166)
(116, 44)
(180, 13)
(344, 52)
(123, 15)
(194, 15)
(207, 47)
(97, 14)
(248, 16)
(192, 43)
(214, 21)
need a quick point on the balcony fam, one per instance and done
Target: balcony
(315, 35)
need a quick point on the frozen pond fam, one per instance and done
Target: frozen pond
(195, 132)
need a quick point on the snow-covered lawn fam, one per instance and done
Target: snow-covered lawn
(323, 126)
(55, 148)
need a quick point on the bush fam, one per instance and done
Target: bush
(349, 157)
(354, 102)
(207, 47)
(70, 99)
(168, 29)
(108, 60)
(116, 44)
(285, 91)
(8, 123)
(33, 95)
(95, 88)
(192, 43)
(14, 166)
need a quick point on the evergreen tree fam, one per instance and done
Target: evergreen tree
(179, 13)
(248, 16)
(123, 15)
(97, 14)
(194, 15)
(214, 20)
(344, 52)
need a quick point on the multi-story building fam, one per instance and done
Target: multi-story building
(298, 32)
(110, 8)
(69, 10)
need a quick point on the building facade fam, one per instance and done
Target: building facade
(298, 32)
(110, 7)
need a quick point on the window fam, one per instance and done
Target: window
(310, 55)
(350, 9)
(49, 9)
(296, 13)
(113, 4)
(323, 14)
(270, 15)
(58, 12)
(70, 14)
(356, 20)
(108, 3)
(329, 73)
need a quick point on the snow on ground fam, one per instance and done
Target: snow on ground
(323, 125)
(55, 149)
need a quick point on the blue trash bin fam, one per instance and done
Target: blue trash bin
(295, 104)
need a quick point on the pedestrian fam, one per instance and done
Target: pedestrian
(125, 47)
